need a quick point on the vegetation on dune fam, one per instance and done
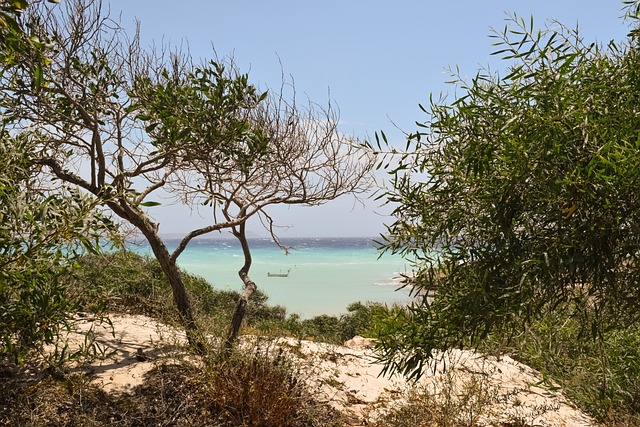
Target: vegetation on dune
(173, 394)
(44, 226)
(129, 283)
(41, 233)
(601, 376)
(518, 201)
(251, 387)
(519, 198)
(74, 91)
(125, 282)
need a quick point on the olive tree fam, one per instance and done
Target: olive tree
(43, 227)
(129, 126)
(520, 196)
(309, 162)
(41, 233)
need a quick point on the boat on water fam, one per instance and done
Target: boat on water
(279, 274)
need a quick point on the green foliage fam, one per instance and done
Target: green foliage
(119, 282)
(601, 376)
(40, 235)
(16, 41)
(322, 328)
(11, 36)
(42, 228)
(201, 115)
(124, 281)
(358, 320)
(122, 123)
(520, 197)
(13, 41)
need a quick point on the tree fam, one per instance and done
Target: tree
(41, 234)
(42, 230)
(291, 156)
(308, 162)
(520, 197)
(124, 124)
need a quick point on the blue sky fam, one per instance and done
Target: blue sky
(376, 60)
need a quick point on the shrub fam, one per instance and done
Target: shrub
(124, 281)
(335, 329)
(359, 319)
(600, 374)
(256, 388)
(246, 390)
(33, 309)
(42, 230)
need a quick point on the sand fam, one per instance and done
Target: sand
(348, 376)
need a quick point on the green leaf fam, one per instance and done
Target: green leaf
(150, 204)
(38, 76)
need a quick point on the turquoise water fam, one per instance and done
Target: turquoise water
(324, 274)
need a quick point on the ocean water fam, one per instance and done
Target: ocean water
(324, 274)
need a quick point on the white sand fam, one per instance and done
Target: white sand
(348, 376)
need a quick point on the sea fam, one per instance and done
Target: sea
(317, 276)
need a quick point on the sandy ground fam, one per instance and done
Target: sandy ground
(347, 376)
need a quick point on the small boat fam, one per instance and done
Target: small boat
(279, 274)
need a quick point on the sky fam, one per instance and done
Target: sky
(375, 60)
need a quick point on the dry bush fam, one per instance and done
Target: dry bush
(256, 388)
(456, 400)
(249, 388)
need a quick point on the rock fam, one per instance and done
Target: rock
(141, 356)
(359, 342)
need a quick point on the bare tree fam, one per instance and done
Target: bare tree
(307, 162)
(125, 124)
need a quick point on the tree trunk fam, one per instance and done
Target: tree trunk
(132, 213)
(241, 308)
(180, 297)
(170, 269)
(249, 288)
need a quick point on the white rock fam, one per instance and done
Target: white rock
(359, 342)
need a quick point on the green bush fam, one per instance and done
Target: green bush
(41, 233)
(33, 309)
(600, 374)
(334, 329)
(359, 319)
(126, 282)
(249, 386)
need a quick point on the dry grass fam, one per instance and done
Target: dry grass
(246, 390)
(456, 400)
(256, 388)
(169, 396)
